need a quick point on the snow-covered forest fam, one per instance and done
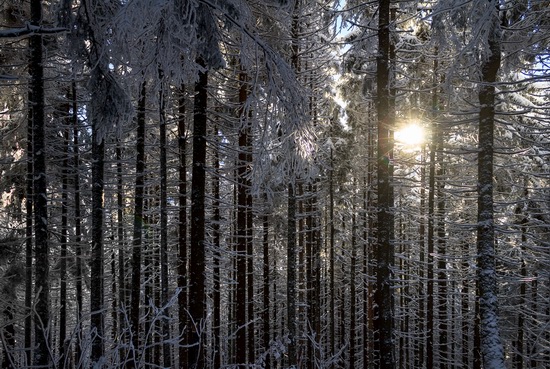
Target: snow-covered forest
(275, 184)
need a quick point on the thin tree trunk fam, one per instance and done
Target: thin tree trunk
(77, 226)
(216, 241)
(42, 354)
(182, 230)
(291, 276)
(251, 339)
(196, 355)
(266, 284)
(430, 323)
(492, 349)
(291, 251)
(29, 237)
(242, 241)
(520, 339)
(166, 354)
(383, 322)
(332, 246)
(122, 290)
(96, 263)
(420, 345)
(64, 239)
(352, 295)
(138, 230)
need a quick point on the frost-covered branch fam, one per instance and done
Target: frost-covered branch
(28, 30)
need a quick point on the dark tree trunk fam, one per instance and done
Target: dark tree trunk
(383, 319)
(420, 345)
(352, 295)
(291, 276)
(28, 236)
(520, 338)
(77, 225)
(182, 229)
(291, 292)
(96, 262)
(332, 246)
(313, 277)
(167, 358)
(242, 239)
(63, 240)
(266, 319)
(492, 350)
(216, 238)
(122, 288)
(197, 310)
(42, 355)
(137, 242)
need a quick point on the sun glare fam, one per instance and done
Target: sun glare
(410, 135)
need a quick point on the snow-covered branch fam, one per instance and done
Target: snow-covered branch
(29, 29)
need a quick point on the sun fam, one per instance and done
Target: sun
(411, 135)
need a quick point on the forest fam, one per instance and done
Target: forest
(269, 184)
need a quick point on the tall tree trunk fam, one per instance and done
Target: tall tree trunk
(138, 229)
(196, 355)
(63, 240)
(167, 358)
(520, 338)
(266, 318)
(420, 345)
(291, 276)
(242, 227)
(122, 288)
(352, 295)
(332, 246)
(29, 236)
(216, 241)
(251, 339)
(182, 230)
(312, 277)
(492, 349)
(291, 271)
(383, 323)
(96, 262)
(77, 226)
(430, 323)
(42, 354)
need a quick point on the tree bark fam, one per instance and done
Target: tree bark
(196, 355)
(96, 263)
(166, 354)
(42, 354)
(137, 241)
(216, 241)
(242, 227)
(383, 322)
(266, 287)
(492, 350)
(182, 230)
(77, 224)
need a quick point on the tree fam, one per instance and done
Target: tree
(40, 197)
(196, 335)
(139, 220)
(383, 322)
(491, 349)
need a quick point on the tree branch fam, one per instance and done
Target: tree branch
(29, 29)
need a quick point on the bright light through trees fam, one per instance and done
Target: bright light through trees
(411, 135)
